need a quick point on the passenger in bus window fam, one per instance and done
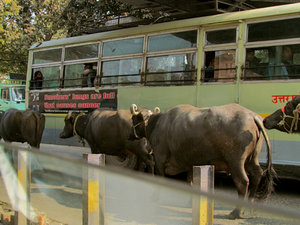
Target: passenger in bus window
(38, 80)
(209, 72)
(287, 60)
(281, 63)
(88, 75)
(252, 65)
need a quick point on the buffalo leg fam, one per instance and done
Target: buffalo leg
(255, 174)
(139, 148)
(241, 182)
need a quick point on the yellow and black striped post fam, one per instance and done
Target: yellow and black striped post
(93, 196)
(203, 208)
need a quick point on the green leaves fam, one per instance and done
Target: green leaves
(23, 23)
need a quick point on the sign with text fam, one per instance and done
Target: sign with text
(77, 101)
(282, 98)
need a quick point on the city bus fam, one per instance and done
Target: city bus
(249, 57)
(12, 94)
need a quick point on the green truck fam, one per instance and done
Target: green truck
(12, 94)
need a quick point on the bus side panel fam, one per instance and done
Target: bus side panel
(150, 97)
(219, 94)
(265, 98)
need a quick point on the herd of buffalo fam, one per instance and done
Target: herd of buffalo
(230, 137)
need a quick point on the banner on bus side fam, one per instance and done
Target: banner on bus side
(77, 101)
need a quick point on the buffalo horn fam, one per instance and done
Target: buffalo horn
(156, 109)
(133, 109)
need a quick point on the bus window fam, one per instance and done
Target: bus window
(80, 75)
(123, 47)
(274, 30)
(171, 41)
(171, 69)
(50, 76)
(18, 94)
(220, 36)
(47, 56)
(220, 66)
(82, 52)
(122, 72)
(270, 63)
(5, 94)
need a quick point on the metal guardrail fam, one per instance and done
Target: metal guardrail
(55, 194)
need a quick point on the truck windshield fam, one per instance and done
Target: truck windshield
(18, 94)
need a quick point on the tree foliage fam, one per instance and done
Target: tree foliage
(86, 16)
(24, 22)
(90, 16)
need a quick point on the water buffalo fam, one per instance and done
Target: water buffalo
(22, 126)
(107, 132)
(229, 137)
(285, 119)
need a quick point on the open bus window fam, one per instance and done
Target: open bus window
(18, 94)
(271, 63)
(50, 77)
(171, 69)
(219, 66)
(121, 72)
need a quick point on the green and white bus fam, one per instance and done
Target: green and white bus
(12, 94)
(250, 57)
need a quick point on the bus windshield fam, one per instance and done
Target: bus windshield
(18, 94)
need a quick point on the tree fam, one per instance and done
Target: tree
(25, 22)
(90, 16)
(86, 16)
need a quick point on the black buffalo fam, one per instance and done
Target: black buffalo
(285, 119)
(229, 137)
(22, 126)
(107, 132)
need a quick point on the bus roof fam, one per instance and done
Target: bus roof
(274, 11)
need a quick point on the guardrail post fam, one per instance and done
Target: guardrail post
(23, 172)
(203, 209)
(93, 196)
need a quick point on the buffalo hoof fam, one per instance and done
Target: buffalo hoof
(236, 214)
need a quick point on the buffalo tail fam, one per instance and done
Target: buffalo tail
(266, 186)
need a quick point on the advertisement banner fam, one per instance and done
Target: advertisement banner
(76, 101)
